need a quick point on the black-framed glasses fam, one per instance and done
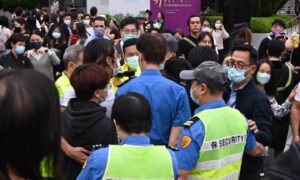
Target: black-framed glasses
(236, 64)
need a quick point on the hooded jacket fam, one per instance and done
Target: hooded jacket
(84, 124)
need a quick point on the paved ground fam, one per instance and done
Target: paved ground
(257, 38)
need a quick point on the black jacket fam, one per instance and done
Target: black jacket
(280, 125)
(262, 50)
(85, 124)
(185, 47)
(286, 166)
(9, 61)
(65, 29)
(255, 105)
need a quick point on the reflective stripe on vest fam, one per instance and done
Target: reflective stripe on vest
(138, 162)
(223, 145)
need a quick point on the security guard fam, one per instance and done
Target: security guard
(130, 54)
(135, 158)
(212, 143)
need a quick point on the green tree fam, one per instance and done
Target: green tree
(27, 4)
(265, 8)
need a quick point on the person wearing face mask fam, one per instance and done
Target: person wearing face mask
(211, 137)
(169, 100)
(284, 80)
(278, 27)
(135, 157)
(42, 58)
(205, 22)
(265, 81)
(58, 43)
(131, 57)
(244, 95)
(172, 47)
(66, 26)
(87, 23)
(220, 34)
(84, 122)
(128, 30)
(16, 59)
(99, 30)
(103, 53)
(225, 62)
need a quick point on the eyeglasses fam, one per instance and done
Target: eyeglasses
(128, 31)
(238, 65)
(100, 26)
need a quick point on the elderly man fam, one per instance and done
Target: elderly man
(73, 57)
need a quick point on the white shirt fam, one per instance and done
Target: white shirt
(297, 96)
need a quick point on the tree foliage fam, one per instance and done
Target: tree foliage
(265, 8)
(26, 4)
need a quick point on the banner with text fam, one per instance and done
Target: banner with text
(176, 12)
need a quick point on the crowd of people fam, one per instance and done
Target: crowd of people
(83, 97)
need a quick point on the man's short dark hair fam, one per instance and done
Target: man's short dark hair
(129, 20)
(275, 48)
(153, 48)
(278, 22)
(18, 11)
(85, 15)
(132, 112)
(190, 17)
(174, 66)
(200, 54)
(4, 21)
(129, 42)
(17, 37)
(247, 48)
(67, 14)
(93, 11)
(99, 18)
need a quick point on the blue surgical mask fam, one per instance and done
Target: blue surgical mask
(194, 99)
(56, 35)
(236, 76)
(263, 78)
(226, 68)
(129, 36)
(99, 32)
(20, 50)
(133, 62)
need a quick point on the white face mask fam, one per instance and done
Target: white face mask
(206, 29)
(68, 22)
(86, 22)
(218, 26)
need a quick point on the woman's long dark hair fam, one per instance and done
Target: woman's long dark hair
(270, 87)
(29, 124)
(61, 40)
(202, 35)
(81, 31)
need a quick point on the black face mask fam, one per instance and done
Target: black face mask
(17, 30)
(35, 45)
